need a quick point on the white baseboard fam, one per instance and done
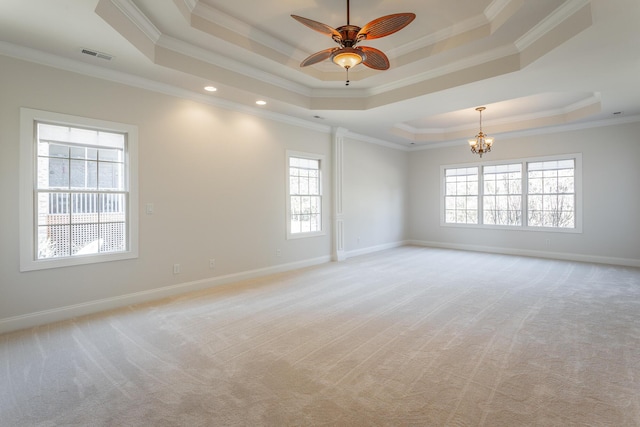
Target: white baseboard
(376, 248)
(531, 253)
(29, 320)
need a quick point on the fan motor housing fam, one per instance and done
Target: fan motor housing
(348, 34)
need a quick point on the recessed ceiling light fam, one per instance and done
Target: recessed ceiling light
(210, 89)
(261, 102)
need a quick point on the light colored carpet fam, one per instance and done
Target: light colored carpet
(410, 336)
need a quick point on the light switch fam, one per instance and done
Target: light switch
(149, 209)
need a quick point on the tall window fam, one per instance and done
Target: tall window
(461, 195)
(552, 196)
(304, 205)
(502, 199)
(545, 197)
(81, 194)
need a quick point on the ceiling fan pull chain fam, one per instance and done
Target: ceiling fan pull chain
(347, 83)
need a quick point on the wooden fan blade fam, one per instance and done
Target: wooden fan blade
(374, 58)
(318, 56)
(385, 25)
(318, 26)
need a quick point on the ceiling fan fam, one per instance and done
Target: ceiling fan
(348, 36)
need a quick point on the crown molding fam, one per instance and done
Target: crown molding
(561, 14)
(229, 23)
(462, 64)
(570, 127)
(74, 66)
(183, 48)
(139, 19)
(590, 100)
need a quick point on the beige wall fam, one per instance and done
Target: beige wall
(217, 180)
(611, 200)
(375, 196)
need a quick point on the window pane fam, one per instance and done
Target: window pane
(450, 216)
(556, 205)
(78, 174)
(472, 203)
(501, 181)
(53, 241)
(71, 223)
(53, 150)
(53, 173)
(304, 195)
(461, 200)
(113, 237)
(78, 152)
(110, 176)
(110, 155)
(450, 189)
(314, 186)
(84, 239)
(535, 218)
(565, 184)
(83, 174)
(449, 203)
(549, 202)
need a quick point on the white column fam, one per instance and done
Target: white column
(337, 244)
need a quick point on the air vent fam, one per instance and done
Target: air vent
(97, 54)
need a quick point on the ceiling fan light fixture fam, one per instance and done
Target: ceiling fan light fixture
(348, 36)
(348, 57)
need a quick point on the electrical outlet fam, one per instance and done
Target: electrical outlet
(177, 269)
(212, 263)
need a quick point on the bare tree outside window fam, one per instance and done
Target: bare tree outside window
(502, 200)
(551, 195)
(461, 195)
(543, 197)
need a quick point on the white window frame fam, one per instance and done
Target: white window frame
(28, 185)
(311, 156)
(577, 157)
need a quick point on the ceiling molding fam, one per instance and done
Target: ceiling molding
(222, 20)
(172, 52)
(184, 48)
(139, 19)
(496, 7)
(570, 127)
(588, 101)
(90, 70)
(566, 114)
(560, 15)
(55, 61)
(368, 139)
(462, 64)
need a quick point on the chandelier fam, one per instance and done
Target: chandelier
(481, 143)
